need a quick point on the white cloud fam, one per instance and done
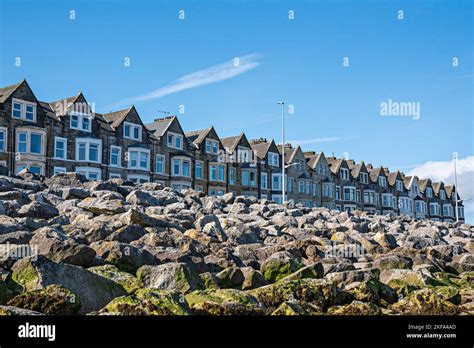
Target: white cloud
(213, 74)
(314, 140)
(444, 171)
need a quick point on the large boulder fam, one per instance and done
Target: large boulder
(279, 265)
(92, 290)
(148, 302)
(223, 302)
(169, 276)
(59, 247)
(38, 210)
(50, 300)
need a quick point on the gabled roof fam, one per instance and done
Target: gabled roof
(48, 110)
(335, 164)
(230, 143)
(314, 159)
(437, 186)
(408, 181)
(392, 177)
(7, 91)
(161, 125)
(69, 102)
(422, 184)
(198, 136)
(375, 173)
(116, 118)
(102, 122)
(261, 148)
(356, 168)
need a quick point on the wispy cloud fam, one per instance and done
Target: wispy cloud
(319, 140)
(220, 72)
(444, 171)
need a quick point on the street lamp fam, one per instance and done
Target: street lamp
(455, 157)
(282, 150)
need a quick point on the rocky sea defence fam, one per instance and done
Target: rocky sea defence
(73, 246)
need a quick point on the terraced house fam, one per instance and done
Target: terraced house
(67, 135)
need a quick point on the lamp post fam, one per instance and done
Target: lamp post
(282, 150)
(455, 157)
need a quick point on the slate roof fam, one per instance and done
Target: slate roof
(313, 160)
(230, 143)
(261, 148)
(161, 125)
(198, 136)
(116, 118)
(7, 91)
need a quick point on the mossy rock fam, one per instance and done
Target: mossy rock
(3, 292)
(209, 280)
(148, 302)
(297, 308)
(280, 265)
(252, 279)
(448, 293)
(406, 281)
(424, 302)
(126, 280)
(169, 276)
(316, 291)
(223, 302)
(50, 300)
(25, 279)
(372, 291)
(231, 277)
(315, 271)
(449, 279)
(10, 311)
(355, 308)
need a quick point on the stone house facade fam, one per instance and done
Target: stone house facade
(210, 174)
(68, 135)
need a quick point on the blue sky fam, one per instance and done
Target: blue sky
(336, 108)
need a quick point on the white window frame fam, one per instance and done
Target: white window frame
(344, 174)
(61, 140)
(399, 185)
(198, 164)
(119, 156)
(211, 143)
(24, 104)
(80, 121)
(173, 141)
(264, 181)
(162, 164)
(273, 159)
(276, 179)
(29, 133)
(132, 127)
(429, 192)
(57, 170)
(364, 178)
(382, 181)
(181, 160)
(88, 142)
(140, 178)
(88, 170)
(232, 175)
(139, 151)
(442, 195)
(352, 193)
(4, 130)
(389, 197)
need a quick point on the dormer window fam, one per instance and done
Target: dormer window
(364, 178)
(23, 110)
(132, 131)
(80, 121)
(429, 192)
(212, 146)
(174, 140)
(382, 181)
(344, 174)
(399, 185)
(442, 194)
(273, 159)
